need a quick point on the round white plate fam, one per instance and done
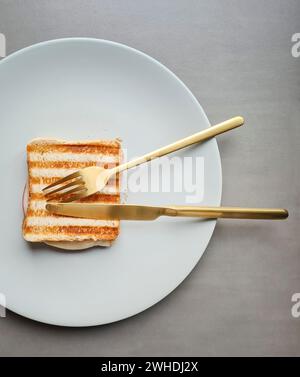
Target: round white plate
(82, 89)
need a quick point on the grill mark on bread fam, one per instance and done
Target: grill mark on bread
(108, 149)
(60, 164)
(110, 189)
(48, 180)
(101, 198)
(68, 164)
(41, 213)
(95, 198)
(102, 232)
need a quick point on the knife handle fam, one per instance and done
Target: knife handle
(228, 212)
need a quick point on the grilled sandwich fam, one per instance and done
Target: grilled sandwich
(49, 160)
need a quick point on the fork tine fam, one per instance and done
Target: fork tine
(62, 180)
(61, 188)
(75, 190)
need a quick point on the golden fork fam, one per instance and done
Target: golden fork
(92, 179)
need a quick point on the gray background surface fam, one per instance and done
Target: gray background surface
(236, 58)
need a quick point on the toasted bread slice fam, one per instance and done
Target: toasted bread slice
(51, 159)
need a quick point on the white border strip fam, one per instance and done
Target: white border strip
(68, 221)
(73, 157)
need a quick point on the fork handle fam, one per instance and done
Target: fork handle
(228, 212)
(193, 139)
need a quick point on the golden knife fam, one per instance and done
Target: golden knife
(142, 212)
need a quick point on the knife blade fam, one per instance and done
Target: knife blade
(106, 211)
